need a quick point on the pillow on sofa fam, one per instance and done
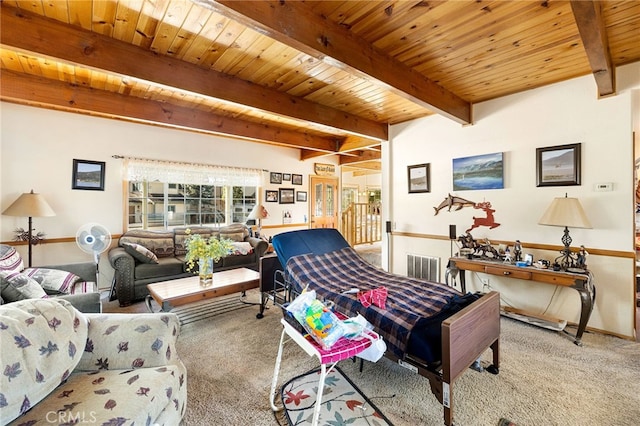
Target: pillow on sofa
(42, 341)
(16, 286)
(10, 259)
(53, 281)
(141, 253)
(241, 248)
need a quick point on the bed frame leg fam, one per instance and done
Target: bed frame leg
(495, 349)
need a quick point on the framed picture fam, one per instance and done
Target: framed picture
(478, 172)
(271, 196)
(275, 177)
(418, 178)
(301, 196)
(88, 175)
(286, 196)
(286, 176)
(296, 179)
(558, 165)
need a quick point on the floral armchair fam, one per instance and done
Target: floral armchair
(65, 367)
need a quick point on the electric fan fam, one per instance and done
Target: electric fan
(94, 239)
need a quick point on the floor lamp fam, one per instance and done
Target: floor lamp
(31, 205)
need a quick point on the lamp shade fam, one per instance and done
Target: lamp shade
(258, 212)
(565, 211)
(29, 204)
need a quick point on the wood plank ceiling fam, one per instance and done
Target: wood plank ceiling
(325, 77)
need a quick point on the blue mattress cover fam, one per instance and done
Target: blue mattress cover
(307, 241)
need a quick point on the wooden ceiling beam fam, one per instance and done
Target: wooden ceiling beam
(593, 32)
(39, 91)
(362, 157)
(33, 33)
(295, 24)
(307, 154)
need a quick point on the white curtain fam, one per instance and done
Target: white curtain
(139, 169)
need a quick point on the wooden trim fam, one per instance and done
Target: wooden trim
(535, 246)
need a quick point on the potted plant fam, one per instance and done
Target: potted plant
(205, 252)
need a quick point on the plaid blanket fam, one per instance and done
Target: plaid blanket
(409, 300)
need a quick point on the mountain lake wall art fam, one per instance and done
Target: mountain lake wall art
(478, 172)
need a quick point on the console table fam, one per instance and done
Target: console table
(581, 282)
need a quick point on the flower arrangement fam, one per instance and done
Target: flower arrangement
(202, 248)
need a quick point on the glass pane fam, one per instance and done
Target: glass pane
(317, 203)
(330, 197)
(156, 189)
(135, 212)
(207, 191)
(192, 191)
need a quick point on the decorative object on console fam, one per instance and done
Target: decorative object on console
(30, 204)
(568, 212)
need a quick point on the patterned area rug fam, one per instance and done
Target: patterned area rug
(342, 402)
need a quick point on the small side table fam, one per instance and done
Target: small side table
(343, 349)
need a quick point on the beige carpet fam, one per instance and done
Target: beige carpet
(544, 378)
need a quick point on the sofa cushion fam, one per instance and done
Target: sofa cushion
(53, 281)
(180, 236)
(166, 267)
(237, 261)
(10, 259)
(234, 232)
(159, 242)
(16, 286)
(141, 253)
(42, 342)
(107, 397)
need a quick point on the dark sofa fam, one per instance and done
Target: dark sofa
(133, 271)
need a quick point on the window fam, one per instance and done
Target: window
(163, 203)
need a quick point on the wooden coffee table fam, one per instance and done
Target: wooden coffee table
(172, 293)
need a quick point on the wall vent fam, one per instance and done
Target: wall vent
(423, 267)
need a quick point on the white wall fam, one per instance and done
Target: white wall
(516, 125)
(38, 146)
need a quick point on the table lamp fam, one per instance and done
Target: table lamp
(567, 212)
(258, 213)
(31, 205)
